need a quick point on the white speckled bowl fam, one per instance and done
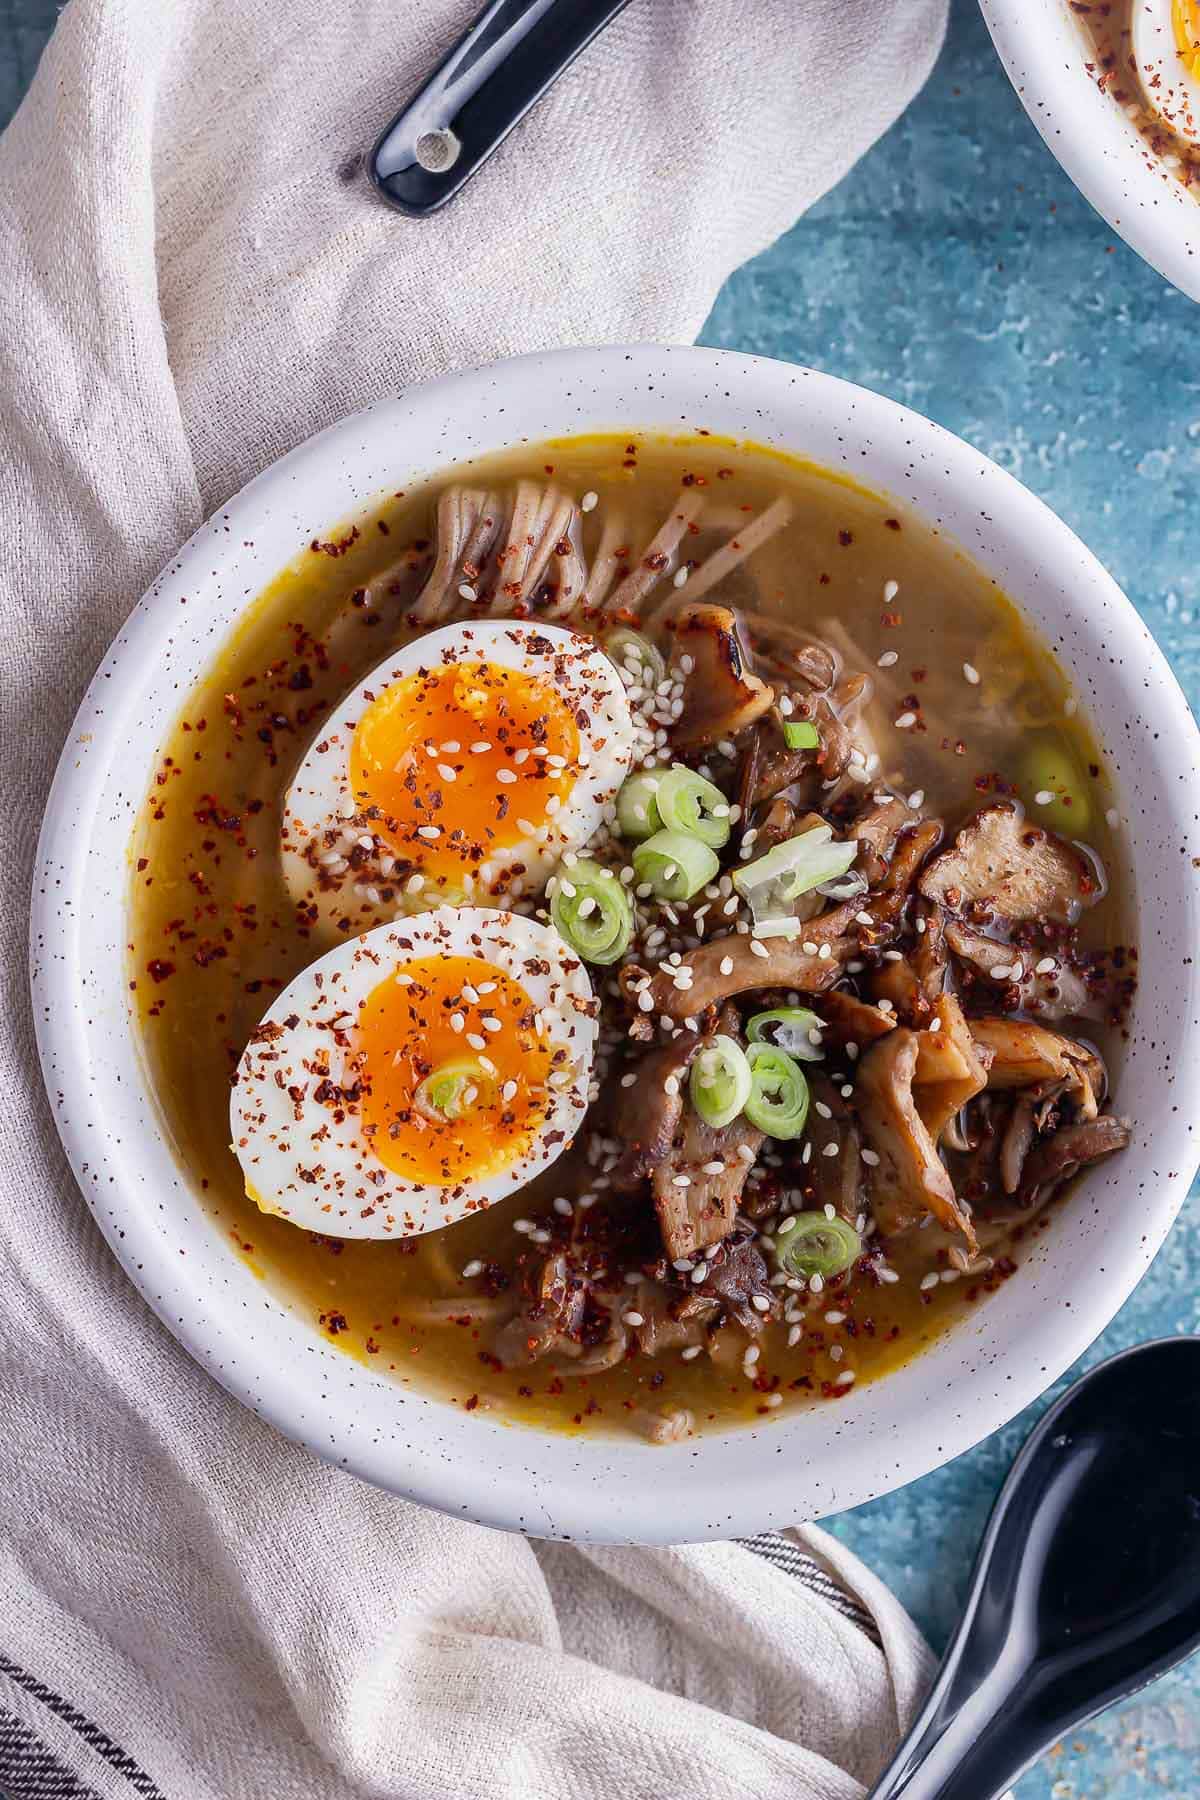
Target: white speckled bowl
(1044, 49)
(798, 1465)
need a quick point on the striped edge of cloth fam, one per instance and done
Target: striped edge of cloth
(780, 1551)
(31, 1770)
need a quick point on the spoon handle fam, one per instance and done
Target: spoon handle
(478, 92)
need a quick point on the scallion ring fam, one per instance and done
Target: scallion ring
(815, 1244)
(675, 865)
(591, 911)
(454, 1088)
(720, 1081)
(801, 734)
(791, 1028)
(778, 1100)
(637, 806)
(689, 803)
(625, 646)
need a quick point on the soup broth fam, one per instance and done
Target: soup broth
(966, 710)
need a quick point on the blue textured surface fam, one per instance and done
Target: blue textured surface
(958, 270)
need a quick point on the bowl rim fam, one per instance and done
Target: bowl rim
(545, 1484)
(1098, 147)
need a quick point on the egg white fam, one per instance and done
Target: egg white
(1168, 84)
(347, 878)
(302, 1163)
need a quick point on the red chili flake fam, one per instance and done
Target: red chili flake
(891, 619)
(845, 537)
(159, 969)
(892, 524)
(335, 546)
(143, 862)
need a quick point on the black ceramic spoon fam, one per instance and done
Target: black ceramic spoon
(1087, 1584)
(477, 93)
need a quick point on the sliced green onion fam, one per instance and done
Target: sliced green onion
(776, 881)
(811, 1243)
(689, 803)
(625, 645)
(778, 1102)
(788, 1028)
(720, 1081)
(454, 1087)
(637, 807)
(801, 734)
(591, 911)
(675, 865)
(1054, 784)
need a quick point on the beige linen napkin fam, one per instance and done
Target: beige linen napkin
(193, 278)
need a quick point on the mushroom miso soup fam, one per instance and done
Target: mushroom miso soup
(632, 936)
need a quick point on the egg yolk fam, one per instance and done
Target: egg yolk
(1185, 16)
(463, 760)
(457, 1077)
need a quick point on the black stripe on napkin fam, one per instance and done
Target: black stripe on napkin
(780, 1551)
(16, 1766)
(29, 1771)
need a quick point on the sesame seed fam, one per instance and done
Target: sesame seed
(429, 831)
(524, 1226)
(671, 1085)
(929, 1281)
(758, 949)
(906, 721)
(414, 884)
(746, 1153)
(971, 673)
(691, 1353)
(632, 1318)
(948, 1275)
(466, 591)
(916, 800)
(481, 748)
(506, 776)
(684, 1264)
(773, 1400)
(491, 1023)
(476, 1042)
(845, 1378)
(590, 501)
(890, 590)
(835, 1318)
(715, 1167)
(727, 965)
(680, 576)
(1046, 966)
(1001, 972)
(1043, 797)
(860, 918)
(457, 1022)
(886, 1274)
(646, 1000)
(699, 1274)
(509, 1092)
(628, 1081)
(794, 1336)
(824, 953)
(830, 1149)
(1112, 817)
(836, 1353)
(817, 1283)
(471, 1269)
(752, 1355)
(888, 658)
(870, 1157)
(539, 1237)
(760, 1303)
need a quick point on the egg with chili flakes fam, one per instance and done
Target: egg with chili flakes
(459, 770)
(415, 1074)
(1166, 56)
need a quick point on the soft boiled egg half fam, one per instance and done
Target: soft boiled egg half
(415, 1075)
(1166, 53)
(459, 770)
